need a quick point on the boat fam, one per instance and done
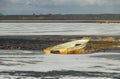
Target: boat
(72, 47)
(83, 46)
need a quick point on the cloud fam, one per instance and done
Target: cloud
(59, 6)
(13, 1)
(85, 2)
(64, 2)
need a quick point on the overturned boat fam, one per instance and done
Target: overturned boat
(73, 47)
(85, 45)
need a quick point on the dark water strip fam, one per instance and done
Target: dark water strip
(61, 73)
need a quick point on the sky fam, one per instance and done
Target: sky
(28, 7)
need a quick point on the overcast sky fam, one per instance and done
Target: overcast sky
(59, 6)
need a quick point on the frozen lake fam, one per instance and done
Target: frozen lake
(59, 29)
(19, 64)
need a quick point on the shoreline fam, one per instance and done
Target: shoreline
(40, 42)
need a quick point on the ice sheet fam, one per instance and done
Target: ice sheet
(59, 29)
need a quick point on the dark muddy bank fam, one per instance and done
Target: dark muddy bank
(39, 42)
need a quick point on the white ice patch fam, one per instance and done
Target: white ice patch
(59, 29)
(44, 63)
(67, 77)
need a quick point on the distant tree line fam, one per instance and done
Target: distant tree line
(62, 17)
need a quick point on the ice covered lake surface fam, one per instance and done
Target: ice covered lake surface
(24, 64)
(59, 29)
(19, 64)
